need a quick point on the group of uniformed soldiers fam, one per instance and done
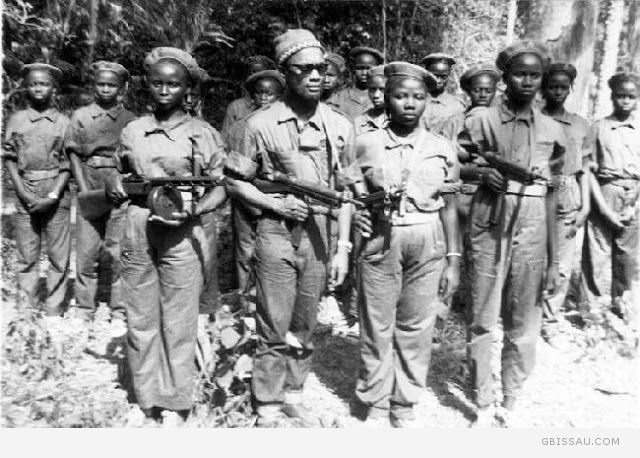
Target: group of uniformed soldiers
(395, 130)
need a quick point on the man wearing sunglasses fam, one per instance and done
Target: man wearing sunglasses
(305, 138)
(354, 100)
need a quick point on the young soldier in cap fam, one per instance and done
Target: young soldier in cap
(297, 135)
(243, 106)
(573, 185)
(375, 117)
(479, 82)
(440, 104)
(610, 256)
(163, 260)
(265, 88)
(354, 100)
(39, 169)
(333, 78)
(91, 141)
(404, 268)
(512, 231)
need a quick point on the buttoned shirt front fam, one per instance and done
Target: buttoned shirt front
(35, 140)
(422, 162)
(278, 140)
(94, 131)
(163, 150)
(576, 130)
(616, 147)
(236, 111)
(532, 140)
(352, 101)
(439, 108)
(369, 122)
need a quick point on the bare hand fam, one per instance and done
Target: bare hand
(581, 218)
(42, 205)
(615, 220)
(362, 222)
(292, 208)
(450, 280)
(552, 278)
(28, 200)
(114, 190)
(339, 269)
(493, 179)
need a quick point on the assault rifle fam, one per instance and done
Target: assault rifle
(281, 183)
(510, 171)
(163, 196)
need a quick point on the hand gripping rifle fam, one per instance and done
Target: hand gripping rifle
(281, 183)
(510, 171)
(162, 194)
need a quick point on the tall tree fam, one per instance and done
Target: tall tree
(613, 28)
(568, 29)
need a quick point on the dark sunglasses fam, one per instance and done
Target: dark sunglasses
(308, 68)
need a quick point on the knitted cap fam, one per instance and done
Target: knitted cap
(292, 41)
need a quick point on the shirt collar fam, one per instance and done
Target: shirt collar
(167, 129)
(113, 113)
(285, 113)
(396, 141)
(631, 121)
(506, 115)
(50, 113)
(376, 121)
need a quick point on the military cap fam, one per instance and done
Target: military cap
(475, 70)
(292, 41)
(405, 69)
(275, 74)
(623, 77)
(366, 49)
(561, 67)
(522, 47)
(337, 60)
(104, 66)
(55, 72)
(438, 57)
(259, 63)
(177, 55)
(378, 70)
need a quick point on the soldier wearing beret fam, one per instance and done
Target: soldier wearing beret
(410, 258)
(333, 78)
(573, 183)
(376, 116)
(91, 141)
(610, 256)
(163, 260)
(301, 136)
(354, 100)
(34, 156)
(512, 231)
(243, 106)
(440, 104)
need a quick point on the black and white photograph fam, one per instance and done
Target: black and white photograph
(294, 214)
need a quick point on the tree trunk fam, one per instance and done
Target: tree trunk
(613, 28)
(634, 36)
(511, 20)
(568, 29)
(93, 29)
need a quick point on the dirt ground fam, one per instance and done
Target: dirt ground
(589, 378)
